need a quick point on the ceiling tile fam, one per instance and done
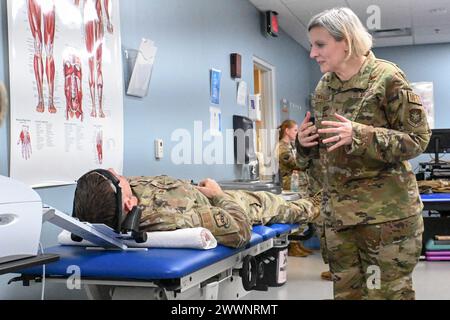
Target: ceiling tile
(294, 16)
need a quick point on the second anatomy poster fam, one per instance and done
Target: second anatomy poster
(66, 89)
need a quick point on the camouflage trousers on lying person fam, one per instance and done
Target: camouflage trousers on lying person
(375, 261)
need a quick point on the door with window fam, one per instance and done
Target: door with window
(266, 133)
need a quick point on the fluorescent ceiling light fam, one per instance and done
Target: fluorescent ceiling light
(389, 33)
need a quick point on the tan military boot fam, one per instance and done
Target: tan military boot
(326, 275)
(302, 247)
(296, 251)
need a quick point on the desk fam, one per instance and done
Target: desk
(434, 225)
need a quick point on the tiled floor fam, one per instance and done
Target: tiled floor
(431, 281)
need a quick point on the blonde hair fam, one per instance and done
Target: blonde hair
(287, 124)
(343, 24)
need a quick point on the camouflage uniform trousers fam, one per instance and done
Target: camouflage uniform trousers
(319, 224)
(314, 173)
(356, 253)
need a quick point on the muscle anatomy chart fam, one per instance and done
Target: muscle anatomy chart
(25, 142)
(94, 44)
(66, 83)
(73, 87)
(99, 146)
(43, 12)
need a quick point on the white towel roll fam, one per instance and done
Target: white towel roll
(191, 238)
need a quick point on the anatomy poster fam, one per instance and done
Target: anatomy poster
(66, 89)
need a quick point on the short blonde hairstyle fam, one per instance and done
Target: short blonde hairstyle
(343, 24)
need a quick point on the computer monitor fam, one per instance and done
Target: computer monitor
(244, 140)
(439, 143)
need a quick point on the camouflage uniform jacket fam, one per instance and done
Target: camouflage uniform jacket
(315, 175)
(289, 160)
(371, 181)
(169, 204)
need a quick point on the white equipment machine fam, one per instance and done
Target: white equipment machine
(20, 220)
(20, 227)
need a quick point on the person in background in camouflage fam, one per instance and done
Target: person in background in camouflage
(168, 204)
(289, 161)
(369, 123)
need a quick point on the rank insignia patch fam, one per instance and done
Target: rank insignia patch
(321, 97)
(414, 98)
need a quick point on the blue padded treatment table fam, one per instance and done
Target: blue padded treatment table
(434, 197)
(436, 201)
(435, 225)
(153, 264)
(283, 228)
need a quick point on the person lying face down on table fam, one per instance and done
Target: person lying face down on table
(167, 204)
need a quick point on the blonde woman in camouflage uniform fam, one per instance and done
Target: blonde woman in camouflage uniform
(369, 124)
(168, 204)
(289, 160)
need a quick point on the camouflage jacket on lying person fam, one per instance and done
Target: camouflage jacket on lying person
(168, 204)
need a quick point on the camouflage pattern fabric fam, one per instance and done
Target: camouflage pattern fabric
(319, 224)
(431, 186)
(268, 208)
(168, 204)
(315, 174)
(289, 160)
(371, 181)
(370, 185)
(3, 102)
(393, 247)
